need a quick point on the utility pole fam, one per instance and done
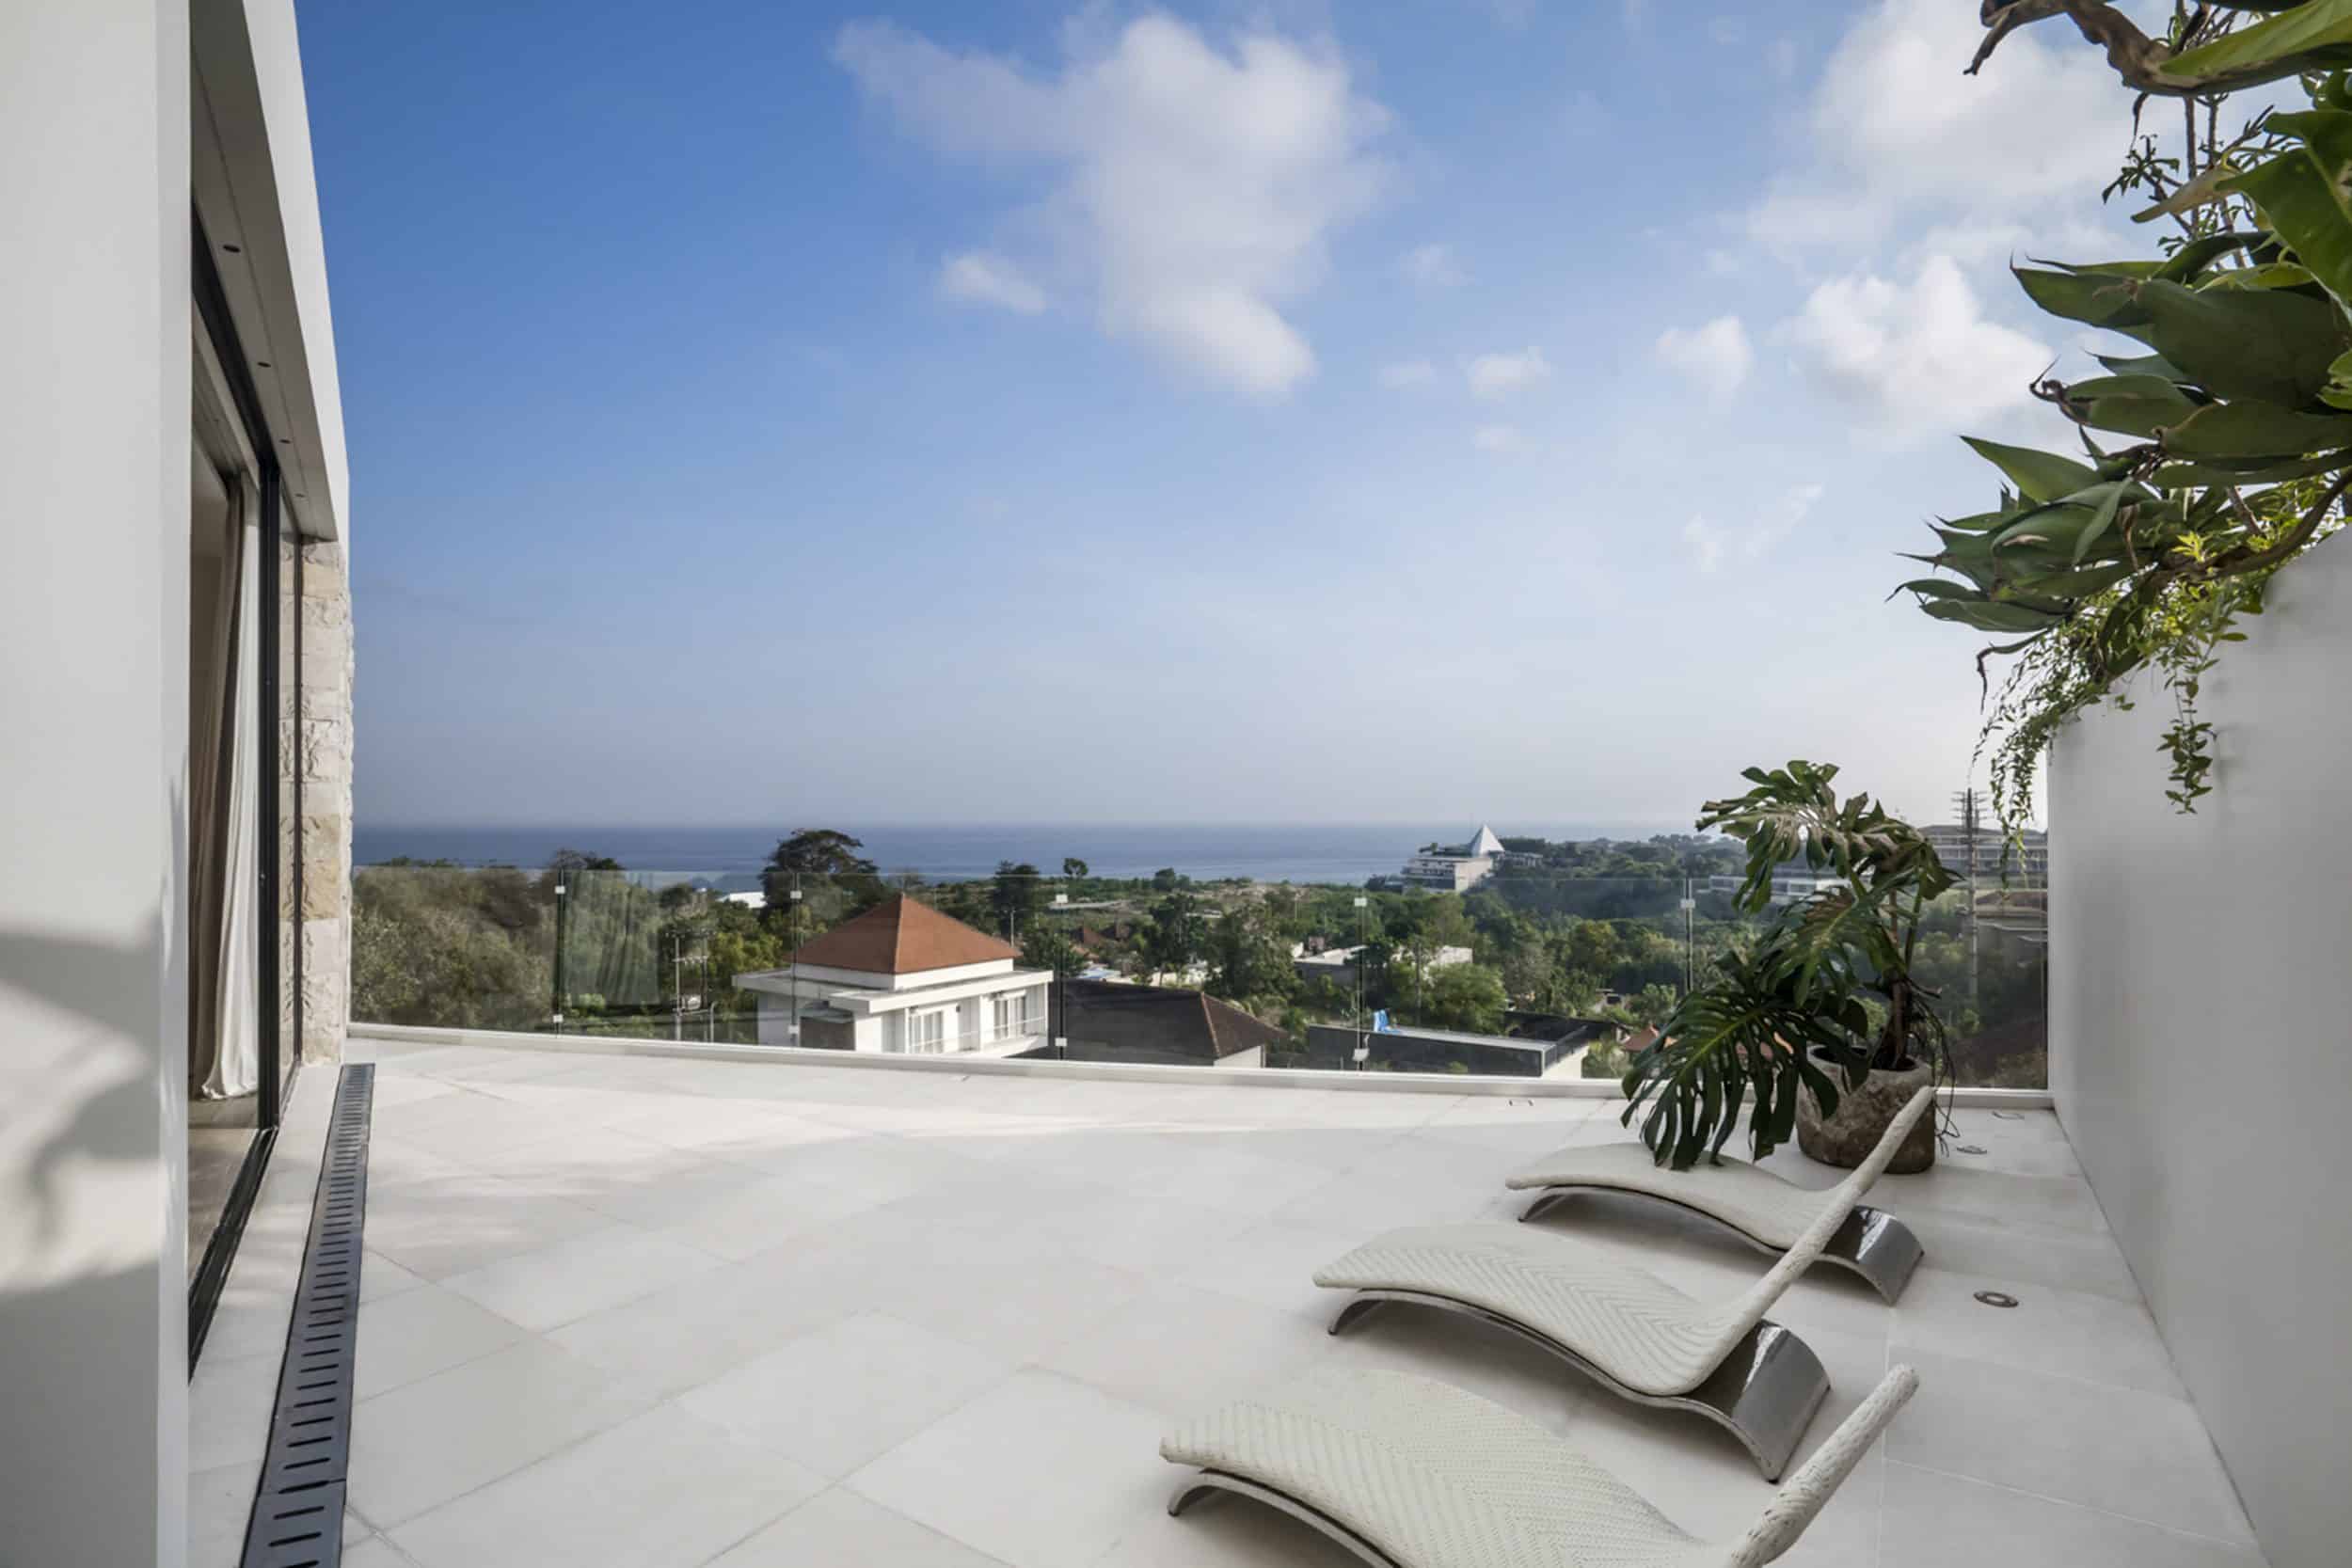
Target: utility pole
(563, 888)
(1363, 947)
(792, 1024)
(1062, 986)
(1690, 933)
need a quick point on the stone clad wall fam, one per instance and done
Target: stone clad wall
(324, 756)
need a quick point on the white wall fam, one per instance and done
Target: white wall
(94, 453)
(2200, 1010)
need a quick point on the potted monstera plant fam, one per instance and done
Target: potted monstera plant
(1818, 1018)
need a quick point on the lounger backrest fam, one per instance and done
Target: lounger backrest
(1802, 1496)
(1809, 1247)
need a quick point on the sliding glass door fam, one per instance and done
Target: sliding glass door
(242, 800)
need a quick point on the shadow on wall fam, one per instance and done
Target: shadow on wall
(79, 1112)
(87, 1309)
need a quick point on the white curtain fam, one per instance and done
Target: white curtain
(231, 1031)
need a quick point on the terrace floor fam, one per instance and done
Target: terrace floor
(664, 1313)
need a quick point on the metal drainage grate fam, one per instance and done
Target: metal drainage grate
(297, 1519)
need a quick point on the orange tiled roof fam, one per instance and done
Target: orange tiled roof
(902, 936)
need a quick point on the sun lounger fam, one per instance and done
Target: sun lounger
(1408, 1473)
(1623, 1328)
(1767, 1211)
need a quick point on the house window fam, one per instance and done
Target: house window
(927, 1032)
(1010, 1016)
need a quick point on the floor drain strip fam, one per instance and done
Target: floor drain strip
(297, 1519)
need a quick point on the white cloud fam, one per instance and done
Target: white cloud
(1496, 376)
(1780, 519)
(1895, 130)
(1636, 13)
(1704, 542)
(1725, 264)
(1726, 30)
(1408, 372)
(1716, 355)
(1913, 359)
(1707, 542)
(1498, 438)
(1432, 266)
(981, 277)
(1782, 58)
(1194, 189)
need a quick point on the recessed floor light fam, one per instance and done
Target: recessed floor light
(1996, 1298)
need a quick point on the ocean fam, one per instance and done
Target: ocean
(1268, 853)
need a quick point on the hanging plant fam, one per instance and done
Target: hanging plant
(2217, 442)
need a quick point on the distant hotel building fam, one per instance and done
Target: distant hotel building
(1455, 869)
(1792, 881)
(1994, 854)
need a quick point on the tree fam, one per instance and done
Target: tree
(1652, 1004)
(1175, 935)
(1530, 975)
(817, 855)
(1467, 997)
(1045, 945)
(581, 860)
(1073, 869)
(1249, 960)
(1014, 896)
(1591, 945)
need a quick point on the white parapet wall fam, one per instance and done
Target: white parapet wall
(1242, 1069)
(2201, 1006)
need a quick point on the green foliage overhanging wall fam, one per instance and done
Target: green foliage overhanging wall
(2217, 444)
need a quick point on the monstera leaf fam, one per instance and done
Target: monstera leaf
(1800, 989)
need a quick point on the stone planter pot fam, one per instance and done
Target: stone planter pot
(1846, 1139)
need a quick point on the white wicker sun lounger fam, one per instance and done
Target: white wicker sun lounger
(1408, 1473)
(1619, 1324)
(1767, 1211)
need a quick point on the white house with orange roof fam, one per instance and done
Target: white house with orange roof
(903, 978)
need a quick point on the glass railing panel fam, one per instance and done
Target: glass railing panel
(1993, 971)
(1509, 975)
(639, 955)
(453, 946)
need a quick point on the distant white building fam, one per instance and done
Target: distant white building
(1458, 868)
(1338, 964)
(1792, 881)
(1993, 856)
(903, 978)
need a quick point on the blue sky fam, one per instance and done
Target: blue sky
(1423, 410)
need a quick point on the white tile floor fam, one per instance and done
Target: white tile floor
(652, 1313)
